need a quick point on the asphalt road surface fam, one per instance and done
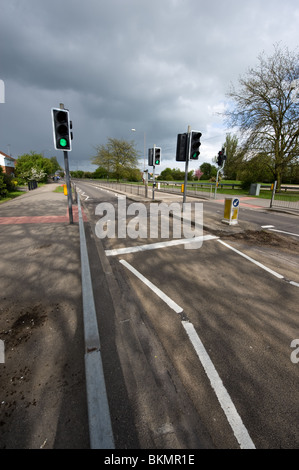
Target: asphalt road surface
(196, 342)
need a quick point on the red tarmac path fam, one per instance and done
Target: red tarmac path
(43, 219)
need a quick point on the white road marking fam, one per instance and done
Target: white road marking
(274, 273)
(155, 246)
(294, 283)
(282, 231)
(154, 288)
(267, 226)
(224, 399)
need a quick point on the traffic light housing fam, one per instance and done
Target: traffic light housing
(181, 148)
(157, 156)
(150, 157)
(220, 158)
(194, 145)
(61, 129)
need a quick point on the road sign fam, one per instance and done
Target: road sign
(231, 210)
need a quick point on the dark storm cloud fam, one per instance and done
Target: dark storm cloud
(156, 66)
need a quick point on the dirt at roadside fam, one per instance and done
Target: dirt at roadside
(265, 238)
(41, 379)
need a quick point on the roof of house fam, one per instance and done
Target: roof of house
(7, 156)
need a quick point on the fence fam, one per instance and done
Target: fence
(202, 190)
(287, 197)
(136, 189)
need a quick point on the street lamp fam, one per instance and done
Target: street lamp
(144, 141)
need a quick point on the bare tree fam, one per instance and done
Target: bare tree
(266, 110)
(118, 157)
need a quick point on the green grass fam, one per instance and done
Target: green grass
(59, 189)
(11, 195)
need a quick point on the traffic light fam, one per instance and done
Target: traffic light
(220, 158)
(157, 156)
(194, 145)
(181, 148)
(150, 157)
(61, 129)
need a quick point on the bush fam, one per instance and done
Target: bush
(3, 189)
(10, 182)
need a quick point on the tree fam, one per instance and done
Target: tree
(100, 172)
(55, 165)
(198, 173)
(267, 109)
(166, 175)
(234, 158)
(118, 157)
(255, 170)
(34, 166)
(209, 171)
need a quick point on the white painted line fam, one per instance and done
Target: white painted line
(294, 283)
(267, 226)
(155, 246)
(282, 231)
(274, 273)
(154, 288)
(225, 401)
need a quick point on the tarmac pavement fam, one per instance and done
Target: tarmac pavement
(43, 400)
(42, 381)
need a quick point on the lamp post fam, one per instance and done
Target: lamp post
(144, 170)
(144, 145)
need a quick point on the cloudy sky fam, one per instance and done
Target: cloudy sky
(153, 65)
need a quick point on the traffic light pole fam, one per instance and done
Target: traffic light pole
(187, 163)
(68, 185)
(154, 183)
(217, 177)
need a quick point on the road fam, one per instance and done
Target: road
(278, 220)
(196, 343)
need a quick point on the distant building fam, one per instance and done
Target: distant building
(7, 163)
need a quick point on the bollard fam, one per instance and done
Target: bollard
(231, 210)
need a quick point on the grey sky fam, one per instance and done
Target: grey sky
(156, 66)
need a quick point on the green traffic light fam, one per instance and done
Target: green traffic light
(63, 142)
(157, 162)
